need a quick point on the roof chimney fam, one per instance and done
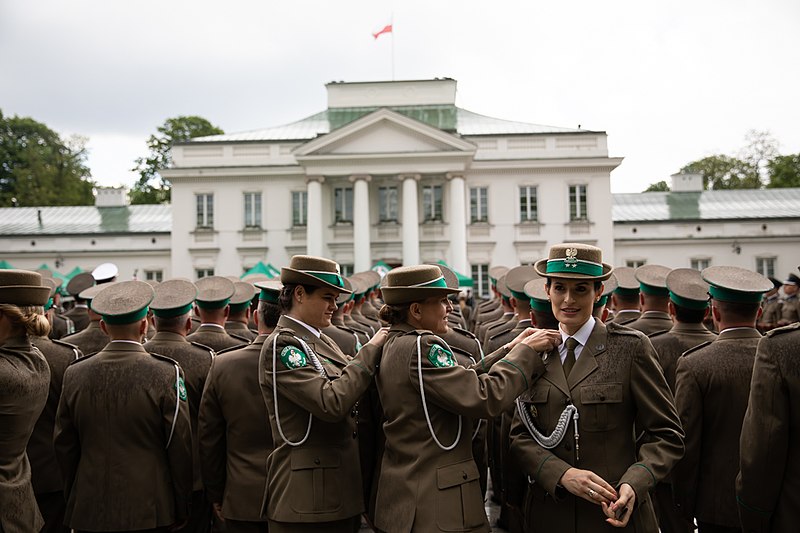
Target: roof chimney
(111, 197)
(687, 182)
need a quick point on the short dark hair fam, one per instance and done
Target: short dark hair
(286, 298)
(545, 319)
(173, 323)
(626, 297)
(738, 311)
(268, 313)
(597, 283)
(687, 315)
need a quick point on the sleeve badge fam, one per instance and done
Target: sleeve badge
(440, 357)
(292, 357)
(181, 387)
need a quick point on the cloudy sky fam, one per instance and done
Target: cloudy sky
(669, 81)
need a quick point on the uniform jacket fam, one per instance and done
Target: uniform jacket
(90, 340)
(234, 434)
(768, 485)
(320, 479)
(79, 316)
(483, 327)
(616, 383)
(671, 344)
(626, 316)
(117, 411)
(372, 325)
(195, 360)
(652, 322)
(771, 314)
(345, 338)
(24, 379)
(46, 476)
(367, 331)
(790, 310)
(62, 326)
(240, 330)
(423, 487)
(712, 386)
(215, 337)
(498, 328)
(370, 311)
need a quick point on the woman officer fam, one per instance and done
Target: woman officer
(428, 478)
(573, 433)
(310, 388)
(24, 382)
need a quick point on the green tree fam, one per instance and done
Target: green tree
(38, 168)
(784, 171)
(151, 187)
(760, 149)
(659, 186)
(725, 172)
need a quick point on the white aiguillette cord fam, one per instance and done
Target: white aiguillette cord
(317, 366)
(425, 403)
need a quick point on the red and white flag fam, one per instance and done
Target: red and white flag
(386, 29)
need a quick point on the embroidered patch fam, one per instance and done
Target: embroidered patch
(441, 357)
(358, 346)
(533, 411)
(292, 357)
(181, 386)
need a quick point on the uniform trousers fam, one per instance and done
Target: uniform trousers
(348, 525)
(670, 519)
(200, 518)
(52, 507)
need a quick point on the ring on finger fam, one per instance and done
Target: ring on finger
(591, 493)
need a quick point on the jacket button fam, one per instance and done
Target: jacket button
(464, 475)
(316, 461)
(355, 434)
(353, 413)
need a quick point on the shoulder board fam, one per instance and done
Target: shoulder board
(239, 337)
(657, 333)
(784, 329)
(164, 358)
(464, 332)
(204, 347)
(499, 334)
(623, 330)
(65, 344)
(83, 358)
(696, 348)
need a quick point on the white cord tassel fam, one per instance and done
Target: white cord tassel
(425, 404)
(317, 366)
(552, 440)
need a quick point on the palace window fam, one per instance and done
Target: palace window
(432, 203)
(577, 203)
(700, 264)
(205, 210)
(528, 210)
(252, 209)
(480, 277)
(478, 204)
(387, 204)
(343, 204)
(635, 263)
(203, 272)
(766, 266)
(154, 275)
(299, 208)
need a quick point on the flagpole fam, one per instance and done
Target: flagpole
(391, 21)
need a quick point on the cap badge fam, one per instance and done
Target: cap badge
(571, 260)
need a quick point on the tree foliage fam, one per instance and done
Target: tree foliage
(659, 186)
(151, 187)
(39, 168)
(725, 172)
(784, 171)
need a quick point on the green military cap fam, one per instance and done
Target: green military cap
(574, 260)
(242, 296)
(345, 297)
(23, 287)
(214, 292)
(173, 297)
(687, 288)
(517, 277)
(53, 284)
(79, 283)
(450, 277)
(253, 278)
(358, 286)
(536, 291)
(495, 272)
(609, 286)
(314, 271)
(735, 284)
(653, 279)
(626, 281)
(270, 290)
(372, 278)
(414, 284)
(502, 288)
(91, 292)
(124, 302)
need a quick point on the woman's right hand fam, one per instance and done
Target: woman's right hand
(541, 340)
(589, 486)
(379, 339)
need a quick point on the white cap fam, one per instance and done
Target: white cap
(105, 272)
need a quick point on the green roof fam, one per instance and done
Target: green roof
(738, 204)
(445, 117)
(80, 220)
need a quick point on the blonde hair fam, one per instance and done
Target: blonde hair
(28, 318)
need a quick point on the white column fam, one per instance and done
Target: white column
(410, 219)
(314, 245)
(362, 256)
(458, 224)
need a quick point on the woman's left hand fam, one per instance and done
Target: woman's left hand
(619, 512)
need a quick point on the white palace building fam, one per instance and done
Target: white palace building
(396, 172)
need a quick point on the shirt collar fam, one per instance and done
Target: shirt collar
(582, 335)
(213, 325)
(313, 330)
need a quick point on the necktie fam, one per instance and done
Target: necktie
(569, 360)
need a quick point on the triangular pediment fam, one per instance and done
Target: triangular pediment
(384, 132)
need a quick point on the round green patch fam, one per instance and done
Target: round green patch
(293, 357)
(441, 357)
(181, 386)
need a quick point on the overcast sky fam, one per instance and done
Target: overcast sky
(669, 81)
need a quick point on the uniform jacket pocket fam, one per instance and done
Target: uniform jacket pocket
(459, 505)
(602, 403)
(313, 484)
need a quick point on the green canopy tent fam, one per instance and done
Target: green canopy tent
(261, 268)
(276, 273)
(381, 268)
(5, 265)
(463, 281)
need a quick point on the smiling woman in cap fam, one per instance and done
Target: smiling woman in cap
(608, 378)
(24, 381)
(428, 478)
(310, 387)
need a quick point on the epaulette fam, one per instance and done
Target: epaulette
(84, 357)
(695, 348)
(464, 332)
(228, 349)
(624, 330)
(239, 338)
(499, 334)
(207, 348)
(75, 349)
(783, 329)
(164, 358)
(657, 333)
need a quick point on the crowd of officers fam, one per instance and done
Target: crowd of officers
(255, 404)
